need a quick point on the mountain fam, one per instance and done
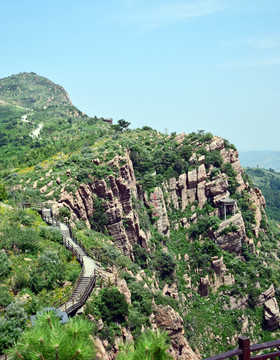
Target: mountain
(262, 159)
(32, 91)
(269, 183)
(37, 120)
(173, 221)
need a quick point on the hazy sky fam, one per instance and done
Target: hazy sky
(176, 65)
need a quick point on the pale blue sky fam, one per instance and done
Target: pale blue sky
(177, 65)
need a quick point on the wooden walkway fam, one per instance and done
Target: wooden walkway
(87, 279)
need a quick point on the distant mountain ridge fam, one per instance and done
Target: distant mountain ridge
(32, 91)
(263, 159)
(269, 183)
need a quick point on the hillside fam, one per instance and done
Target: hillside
(32, 91)
(154, 212)
(269, 183)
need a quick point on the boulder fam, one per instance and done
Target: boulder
(271, 314)
(168, 319)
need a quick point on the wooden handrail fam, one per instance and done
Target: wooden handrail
(244, 351)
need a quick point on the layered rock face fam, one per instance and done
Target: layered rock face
(231, 241)
(168, 319)
(198, 185)
(117, 193)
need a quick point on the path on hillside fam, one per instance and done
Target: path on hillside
(35, 133)
(87, 278)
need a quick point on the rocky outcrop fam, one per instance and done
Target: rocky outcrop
(168, 319)
(271, 314)
(171, 290)
(221, 275)
(204, 286)
(259, 201)
(159, 211)
(266, 295)
(117, 194)
(231, 241)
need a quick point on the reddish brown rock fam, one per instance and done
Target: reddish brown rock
(231, 241)
(168, 319)
(159, 211)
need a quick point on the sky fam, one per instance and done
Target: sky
(181, 66)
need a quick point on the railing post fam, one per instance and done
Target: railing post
(244, 345)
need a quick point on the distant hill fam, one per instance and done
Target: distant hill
(32, 91)
(269, 183)
(29, 102)
(262, 159)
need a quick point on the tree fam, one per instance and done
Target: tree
(150, 346)
(113, 306)
(123, 124)
(48, 340)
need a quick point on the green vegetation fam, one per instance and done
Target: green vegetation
(33, 262)
(85, 164)
(48, 340)
(269, 183)
(149, 346)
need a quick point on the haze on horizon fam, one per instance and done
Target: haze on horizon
(172, 65)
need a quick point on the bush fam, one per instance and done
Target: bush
(5, 296)
(49, 273)
(19, 282)
(213, 158)
(5, 264)
(164, 263)
(12, 325)
(3, 192)
(99, 219)
(140, 256)
(64, 213)
(19, 239)
(113, 306)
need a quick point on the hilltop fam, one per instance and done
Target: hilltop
(32, 91)
(173, 219)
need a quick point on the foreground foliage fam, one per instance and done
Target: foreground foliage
(149, 346)
(49, 340)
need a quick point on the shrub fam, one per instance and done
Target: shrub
(12, 325)
(99, 219)
(64, 213)
(49, 273)
(3, 192)
(140, 255)
(19, 239)
(113, 306)
(213, 158)
(164, 263)
(5, 264)
(5, 296)
(19, 282)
